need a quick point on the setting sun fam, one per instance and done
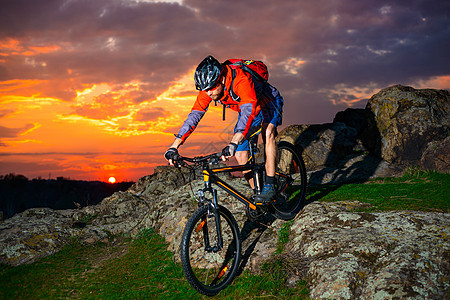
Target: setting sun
(112, 180)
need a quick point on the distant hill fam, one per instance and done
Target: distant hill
(18, 193)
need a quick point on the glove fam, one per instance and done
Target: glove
(229, 150)
(170, 153)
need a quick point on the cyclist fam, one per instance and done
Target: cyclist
(259, 105)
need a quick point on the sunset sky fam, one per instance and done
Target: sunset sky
(96, 88)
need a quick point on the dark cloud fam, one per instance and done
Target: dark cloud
(5, 112)
(10, 133)
(342, 43)
(7, 132)
(102, 41)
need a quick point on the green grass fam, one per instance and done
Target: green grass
(123, 269)
(142, 268)
(126, 269)
(416, 190)
(283, 236)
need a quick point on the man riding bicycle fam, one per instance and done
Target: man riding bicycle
(259, 105)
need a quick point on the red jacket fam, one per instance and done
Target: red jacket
(249, 104)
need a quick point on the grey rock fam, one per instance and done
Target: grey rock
(437, 156)
(321, 145)
(405, 120)
(362, 255)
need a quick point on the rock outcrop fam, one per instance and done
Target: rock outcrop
(347, 254)
(400, 127)
(336, 152)
(344, 253)
(405, 121)
(33, 234)
(162, 201)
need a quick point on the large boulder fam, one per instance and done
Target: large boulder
(349, 254)
(321, 144)
(404, 121)
(338, 152)
(400, 127)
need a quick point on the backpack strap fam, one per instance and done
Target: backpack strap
(223, 116)
(232, 93)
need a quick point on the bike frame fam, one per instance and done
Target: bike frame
(210, 177)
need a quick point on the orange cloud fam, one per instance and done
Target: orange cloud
(44, 49)
(17, 86)
(127, 109)
(292, 65)
(342, 94)
(12, 46)
(436, 82)
(11, 90)
(152, 114)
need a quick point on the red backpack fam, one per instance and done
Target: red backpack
(255, 67)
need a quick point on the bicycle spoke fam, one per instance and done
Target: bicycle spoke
(210, 271)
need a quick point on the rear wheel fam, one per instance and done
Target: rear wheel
(210, 270)
(291, 182)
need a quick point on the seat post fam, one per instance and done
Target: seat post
(257, 172)
(252, 143)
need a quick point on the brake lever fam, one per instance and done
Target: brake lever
(215, 159)
(176, 161)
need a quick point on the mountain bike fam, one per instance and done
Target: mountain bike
(211, 244)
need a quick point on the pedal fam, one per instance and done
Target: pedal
(262, 203)
(254, 214)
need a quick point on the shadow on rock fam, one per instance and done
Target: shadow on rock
(340, 152)
(251, 234)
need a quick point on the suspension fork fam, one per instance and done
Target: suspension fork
(212, 209)
(219, 245)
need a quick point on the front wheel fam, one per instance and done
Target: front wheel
(208, 267)
(291, 182)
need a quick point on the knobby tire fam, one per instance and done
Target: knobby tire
(210, 272)
(289, 164)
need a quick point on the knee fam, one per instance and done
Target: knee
(270, 136)
(241, 157)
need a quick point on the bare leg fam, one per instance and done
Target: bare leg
(271, 149)
(268, 192)
(242, 158)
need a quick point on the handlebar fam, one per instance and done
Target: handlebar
(213, 158)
